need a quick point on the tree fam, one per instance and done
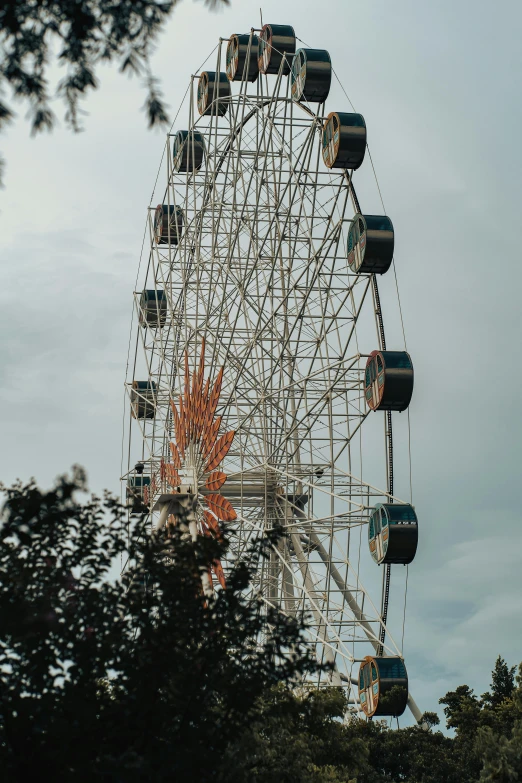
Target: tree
(142, 677)
(298, 737)
(486, 728)
(501, 750)
(415, 754)
(502, 683)
(79, 35)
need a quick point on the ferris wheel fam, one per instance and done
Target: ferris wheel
(262, 388)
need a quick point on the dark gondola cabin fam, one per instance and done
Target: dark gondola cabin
(143, 399)
(213, 93)
(134, 493)
(188, 151)
(276, 41)
(168, 224)
(240, 50)
(153, 308)
(370, 244)
(383, 686)
(388, 381)
(311, 75)
(393, 533)
(344, 140)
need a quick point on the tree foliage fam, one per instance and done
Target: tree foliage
(78, 36)
(298, 737)
(139, 677)
(500, 744)
(487, 729)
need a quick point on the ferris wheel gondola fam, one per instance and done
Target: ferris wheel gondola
(258, 348)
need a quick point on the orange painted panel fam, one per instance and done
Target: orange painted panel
(205, 392)
(212, 524)
(218, 570)
(176, 461)
(172, 475)
(182, 442)
(221, 507)
(220, 450)
(215, 480)
(210, 437)
(214, 396)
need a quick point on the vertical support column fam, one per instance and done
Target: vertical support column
(273, 578)
(288, 594)
(310, 588)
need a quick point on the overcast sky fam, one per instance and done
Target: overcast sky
(439, 86)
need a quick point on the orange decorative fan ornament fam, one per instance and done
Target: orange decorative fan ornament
(198, 449)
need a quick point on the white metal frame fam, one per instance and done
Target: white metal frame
(261, 273)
